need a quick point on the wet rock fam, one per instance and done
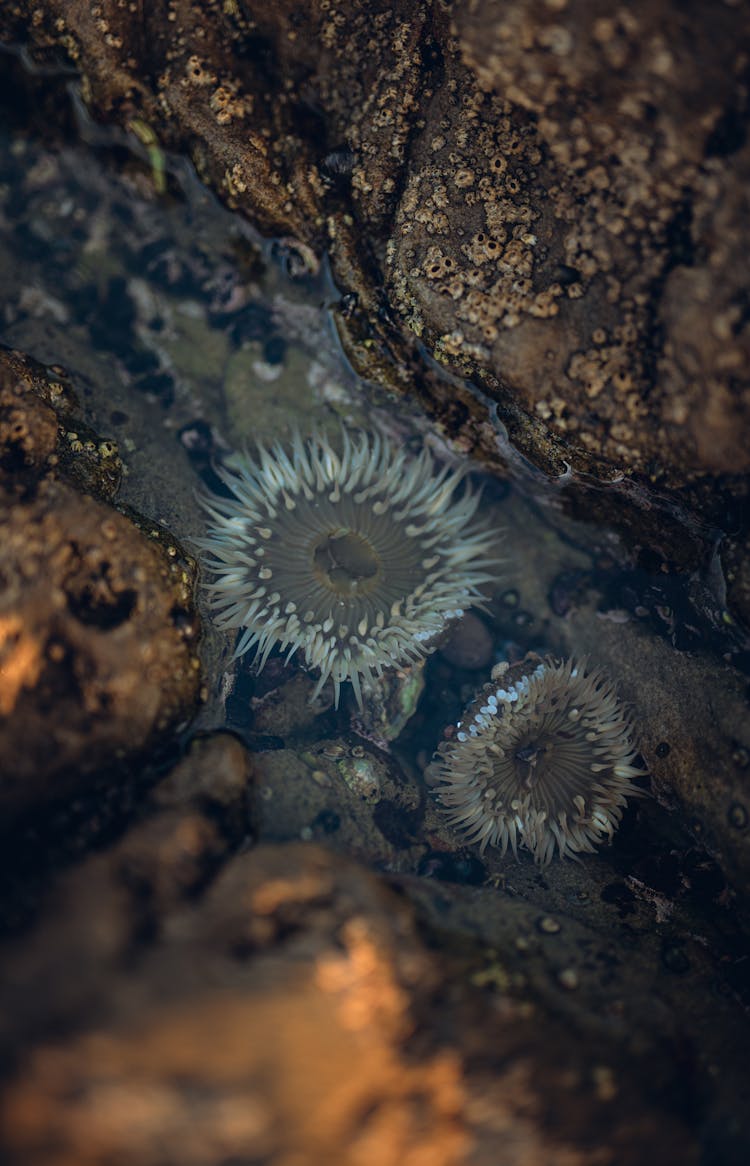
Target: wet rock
(582, 243)
(98, 643)
(470, 644)
(216, 87)
(239, 1032)
(28, 430)
(97, 628)
(549, 202)
(288, 709)
(42, 429)
(293, 1011)
(102, 915)
(216, 776)
(342, 792)
(216, 769)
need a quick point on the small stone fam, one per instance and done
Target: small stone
(470, 644)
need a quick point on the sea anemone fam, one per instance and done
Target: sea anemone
(545, 761)
(359, 558)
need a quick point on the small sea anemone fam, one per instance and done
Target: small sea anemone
(359, 558)
(545, 761)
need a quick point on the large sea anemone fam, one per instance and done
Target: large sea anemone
(546, 761)
(358, 556)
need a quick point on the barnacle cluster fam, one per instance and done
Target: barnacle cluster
(546, 762)
(356, 554)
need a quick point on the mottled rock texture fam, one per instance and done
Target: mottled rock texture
(43, 432)
(618, 214)
(287, 1012)
(97, 628)
(553, 196)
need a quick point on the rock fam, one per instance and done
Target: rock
(342, 793)
(550, 204)
(641, 232)
(98, 632)
(215, 772)
(98, 644)
(291, 1011)
(28, 430)
(238, 1036)
(42, 429)
(102, 914)
(469, 644)
(287, 708)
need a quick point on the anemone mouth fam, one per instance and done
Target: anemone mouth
(357, 557)
(348, 563)
(546, 763)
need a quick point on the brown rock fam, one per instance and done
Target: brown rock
(102, 915)
(97, 627)
(470, 644)
(28, 430)
(292, 1014)
(551, 202)
(42, 429)
(97, 642)
(550, 237)
(267, 1024)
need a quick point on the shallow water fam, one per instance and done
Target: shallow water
(187, 336)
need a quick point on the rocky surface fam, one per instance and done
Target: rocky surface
(43, 432)
(183, 978)
(539, 192)
(234, 1007)
(192, 988)
(97, 628)
(627, 182)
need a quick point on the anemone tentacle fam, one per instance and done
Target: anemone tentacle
(547, 761)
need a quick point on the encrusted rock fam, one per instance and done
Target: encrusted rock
(98, 633)
(551, 202)
(43, 430)
(606, 287)
(28, 430)
(97, 642)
